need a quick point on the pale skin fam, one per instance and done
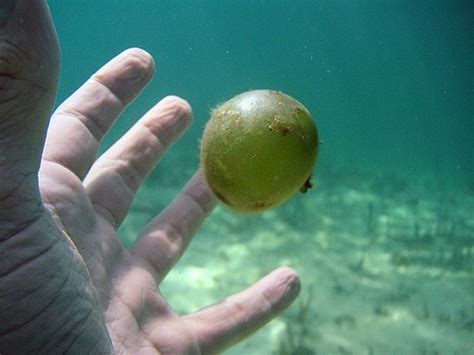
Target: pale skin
(66, 282)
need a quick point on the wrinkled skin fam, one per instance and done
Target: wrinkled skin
(66, 282)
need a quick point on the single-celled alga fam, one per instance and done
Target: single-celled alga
(258, 149)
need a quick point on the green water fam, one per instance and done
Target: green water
(391, 86)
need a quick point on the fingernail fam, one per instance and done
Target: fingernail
(6, 8)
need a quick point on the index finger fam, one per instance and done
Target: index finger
(79, 124)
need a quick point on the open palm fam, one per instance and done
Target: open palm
(91, 197)
(67, 283)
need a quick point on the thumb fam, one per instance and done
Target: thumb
(29, 65)
(6, 8)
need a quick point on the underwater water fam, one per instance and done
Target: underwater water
(384, 243)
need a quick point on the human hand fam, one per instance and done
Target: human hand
(66, 282)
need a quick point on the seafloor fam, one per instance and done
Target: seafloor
(386, 262)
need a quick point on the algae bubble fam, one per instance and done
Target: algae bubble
(258, 149)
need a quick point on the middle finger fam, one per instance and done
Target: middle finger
(115, 177)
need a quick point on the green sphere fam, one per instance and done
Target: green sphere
(258, 149)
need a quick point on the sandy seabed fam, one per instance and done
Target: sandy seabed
(387, 266)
